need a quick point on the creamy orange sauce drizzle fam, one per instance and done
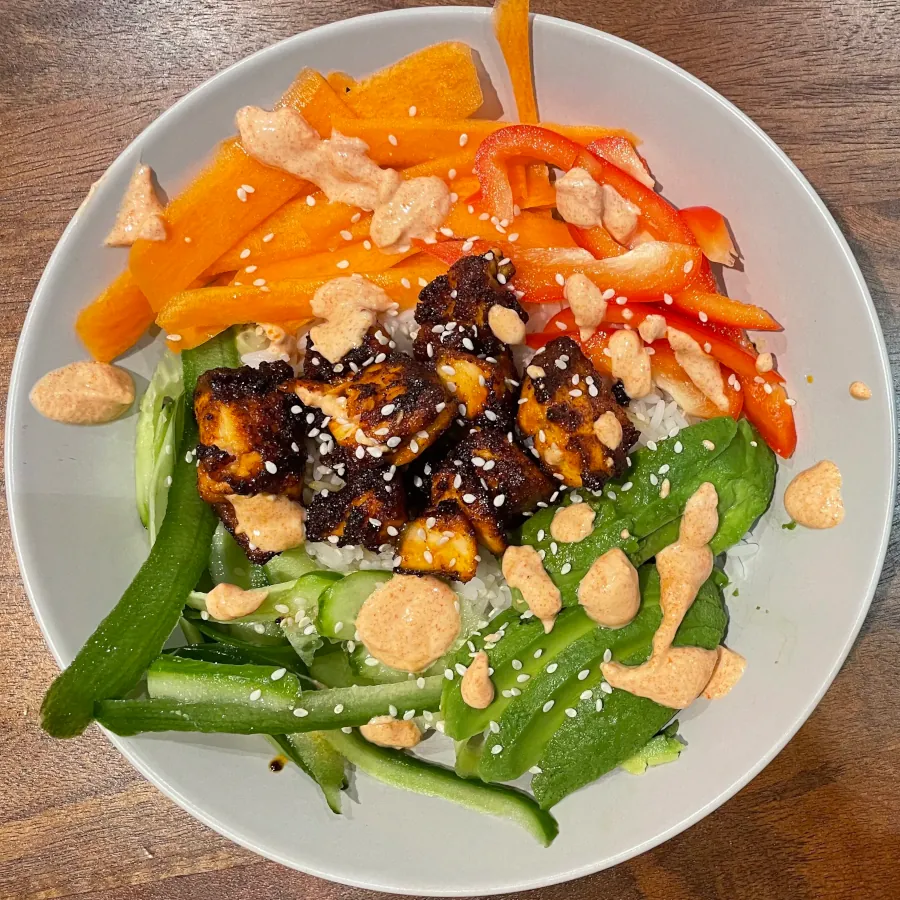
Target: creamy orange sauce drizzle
(608, 430)
(701, 368)
(506, 324)
(620, 216)
(83, 393)
(228, 601)
(610, 592)
(339, 166)
(676, 676)
(630, 363)
(416, 210)
(140, 213)
(386, 731)
(586, 302)
(573, 523)
(813, 498)
(523, 569)
(349, 306)
(727, 673)
(408, 623)
(476, 687)
(271, 522)
(652, 328)
(579, 199)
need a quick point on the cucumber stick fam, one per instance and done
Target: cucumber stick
(192, 695)
(409, 773)
(115, 656)
(289, 566)
(314, 754)
(340, 604)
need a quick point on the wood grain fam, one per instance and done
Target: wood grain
(79, 79)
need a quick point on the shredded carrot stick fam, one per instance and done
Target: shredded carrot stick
(115, 321)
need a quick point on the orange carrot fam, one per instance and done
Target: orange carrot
(440, 80)
(232, 195)
(198, 314)
(419, 140)
(115, 321)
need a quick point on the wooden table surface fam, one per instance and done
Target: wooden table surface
(80, 78)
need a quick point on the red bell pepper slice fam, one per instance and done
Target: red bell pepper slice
(622, 153)
(643, 273)
(741, 361)
(670, 375)
(711, 231)
(597, 241)
(724, 310)
(770, 412)
(499, 148)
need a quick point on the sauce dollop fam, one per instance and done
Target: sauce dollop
(608, 430)
(408, 623)
(339, 167)
(652, 328)
(610, 592)
(676, 676)
(506, 324)
(83, 393)
(476, 688)
(579, 198)
(586, 302)
(349, 306)
(630, 363)
(571, 524)
(813, 498)
(701, 368)
(620, 216)
(416, 210)
(271, 522)
(386, 731)
(727, 673)
(524, 569)
(140, 213)
(859, 390)
(228, 601)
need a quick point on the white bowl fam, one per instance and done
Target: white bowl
(79, 541)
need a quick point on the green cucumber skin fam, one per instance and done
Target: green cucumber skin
(314, 755)
(342, 601)
(115, 656)
(407, 772)
(217, 699)
(289, 566)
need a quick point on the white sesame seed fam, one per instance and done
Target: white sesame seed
(245, 253)
(548, 705)
(268, 237)
(463, 140)
(552, 668)
(513, 237)
(242, 195)
(343, 264)
(599, 704)
(173, 337)
(271, 468)
(497, 748)
(583, 674)
(499, 500)
(255, 695)
(606, 687)
(278, 674)
(392, 140)
(517, 664)
(460, 668)
(567, 567)
(412, 111)
(559, 278)
(405, 283)
(702, 316)
(607, 655)
(300, 713)
(571, 713)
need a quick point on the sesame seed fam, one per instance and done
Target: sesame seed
(702, 316)
(497, 748)
(460, 668)
(791, 402)
(463, 140)
(173, 337)
(567, 567)
(278, 674)
(552, 668)
(571, 713)
(548, 705)
(448, 674)
(517, 664)
(405, 283)
(412, 111)
(245, 253)
(513, 237)
(583, 674)
(242, 195)
(343, 264)
(621, 300)
(392, 140)
(499, 500)
(709, 445)
(538, 653)
(268, 237)
(255, 695)
(559, 278)
(599, 704)
(606, 687)
(300, 713)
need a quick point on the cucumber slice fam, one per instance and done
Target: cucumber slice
(314, 755)
(229, 564)
(332, 669)
(290, 565)
(340, 604)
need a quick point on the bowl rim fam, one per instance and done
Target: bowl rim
(15, 396)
